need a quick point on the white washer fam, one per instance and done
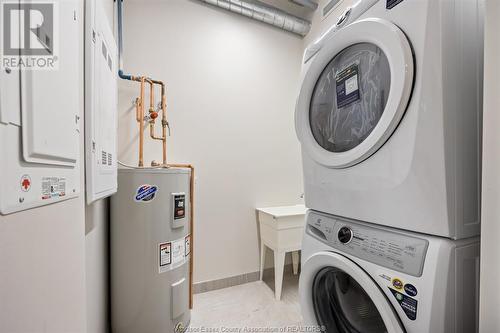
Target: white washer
(358, 277)
(389, 116)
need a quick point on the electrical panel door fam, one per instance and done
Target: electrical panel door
(101, 97)
(40, 111)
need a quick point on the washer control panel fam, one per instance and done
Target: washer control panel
(393, 250)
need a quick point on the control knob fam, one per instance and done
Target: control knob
(345, 235)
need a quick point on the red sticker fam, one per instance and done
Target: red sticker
(25, 183)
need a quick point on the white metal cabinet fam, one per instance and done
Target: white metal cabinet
(40, 112)
(101, 102)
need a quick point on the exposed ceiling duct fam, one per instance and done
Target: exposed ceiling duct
(264, 13)
(311, 4)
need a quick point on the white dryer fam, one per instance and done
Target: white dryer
(358, 277)
(389, 116)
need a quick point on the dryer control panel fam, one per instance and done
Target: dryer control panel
(393, 250)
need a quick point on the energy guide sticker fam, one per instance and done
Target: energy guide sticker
(347, 86)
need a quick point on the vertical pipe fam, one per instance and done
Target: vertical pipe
(120, 34)
(120, 43)
(141, 124)
(164, 122)
(151, 96)
(191, 244)
(138, 109)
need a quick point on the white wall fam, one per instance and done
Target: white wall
(42, 264)
(232, 86)
(490, 224)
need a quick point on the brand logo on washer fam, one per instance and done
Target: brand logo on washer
(146, 193)
(397, 283)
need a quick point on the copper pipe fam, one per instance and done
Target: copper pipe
(152, 132)
(152, 120)
(164, 121)
(137, 109)
(136, 78)
(191, 225)
(151, 95)
(141, 124)
(164, 124)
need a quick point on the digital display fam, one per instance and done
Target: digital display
(179, 206)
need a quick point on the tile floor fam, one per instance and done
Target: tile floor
(250, 305)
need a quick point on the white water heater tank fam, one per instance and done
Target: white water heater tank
(150, 251)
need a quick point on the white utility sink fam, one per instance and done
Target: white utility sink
(281, 230)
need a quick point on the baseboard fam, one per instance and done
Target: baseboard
(203, 287)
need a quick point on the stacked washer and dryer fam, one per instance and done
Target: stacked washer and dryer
(389, 120)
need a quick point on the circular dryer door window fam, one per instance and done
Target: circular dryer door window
(340, 296)
(342, 305)
(350, 97)
(354, 93)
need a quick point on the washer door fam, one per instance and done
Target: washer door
(337, 294)
(354, 93)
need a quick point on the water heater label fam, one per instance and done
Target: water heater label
(145, 193)
(165, 254)
(178, 252)
(173, 254)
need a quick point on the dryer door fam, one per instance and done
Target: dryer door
(337, 294)
(354, 93)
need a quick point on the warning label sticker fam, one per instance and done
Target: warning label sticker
(53, 187)
(165, 254)
(173, 254)
(188, 245)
